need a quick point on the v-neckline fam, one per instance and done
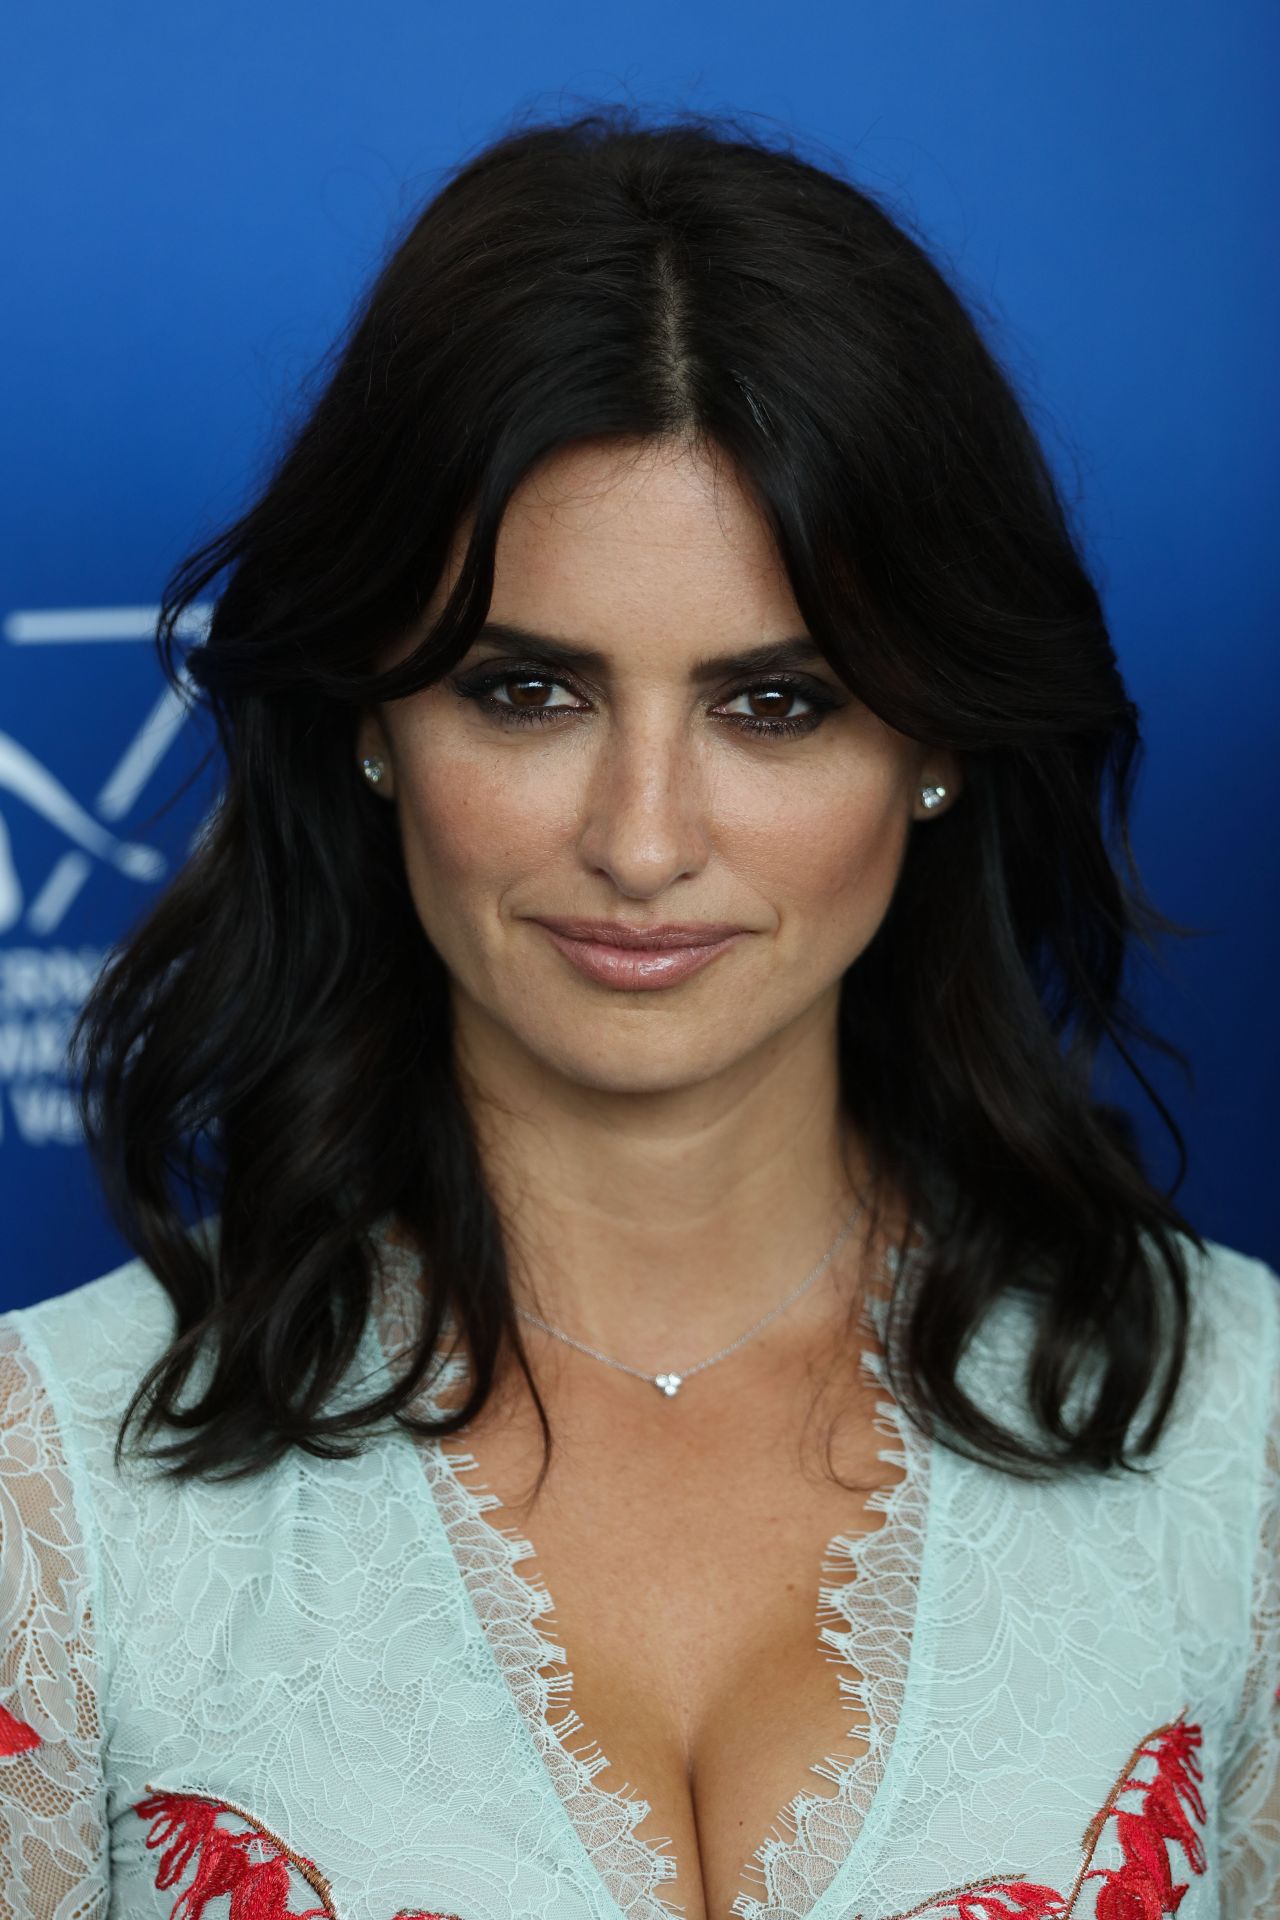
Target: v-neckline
(504, 1606)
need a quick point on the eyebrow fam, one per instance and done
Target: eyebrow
(795, 652)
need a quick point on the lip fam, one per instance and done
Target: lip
(687, 950)
(615, 933)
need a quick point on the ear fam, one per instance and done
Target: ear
(938, 769)
(372, 744)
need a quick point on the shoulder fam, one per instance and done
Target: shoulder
(1229, 1379)
(1211, 1455)
(68, 1366)
(1233, 1361)
(1235, 1279)
(90, 1346)
(107, 1329)
(80, 1356)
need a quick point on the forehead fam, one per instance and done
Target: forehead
(638, 540)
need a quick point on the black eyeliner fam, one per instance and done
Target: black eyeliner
(479, 684)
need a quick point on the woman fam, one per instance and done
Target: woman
(656, 935)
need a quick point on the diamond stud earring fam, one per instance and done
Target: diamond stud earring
(932, 796)
(373, 769)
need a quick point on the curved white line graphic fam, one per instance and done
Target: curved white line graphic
(22, 775)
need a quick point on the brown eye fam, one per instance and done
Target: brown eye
(768, 713)
(521, 689)
(771, 703)
(511, 697)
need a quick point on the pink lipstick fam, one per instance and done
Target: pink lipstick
(639, 957)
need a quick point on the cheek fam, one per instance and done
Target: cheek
(829, 858)
(471, 827)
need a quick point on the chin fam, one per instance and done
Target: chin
(613, 1062)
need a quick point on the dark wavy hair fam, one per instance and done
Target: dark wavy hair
(274, 1037)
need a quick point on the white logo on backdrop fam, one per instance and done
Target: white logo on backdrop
(43, 981)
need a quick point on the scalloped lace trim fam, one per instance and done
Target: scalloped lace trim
(867, 1619)
(870, 1634)
(509, 1604)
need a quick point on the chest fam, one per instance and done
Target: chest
(683, 1551)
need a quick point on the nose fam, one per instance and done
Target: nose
(644, 819)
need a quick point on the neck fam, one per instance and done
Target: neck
(658, 1226)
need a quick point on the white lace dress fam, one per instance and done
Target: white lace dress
(325, 1690)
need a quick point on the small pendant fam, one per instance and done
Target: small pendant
(668, 1383)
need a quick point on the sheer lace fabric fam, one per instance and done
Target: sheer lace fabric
(1250, 1829)
(360, 1670)
(52, 1813)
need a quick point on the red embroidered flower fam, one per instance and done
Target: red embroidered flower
(224, 1862)
(1143, 1886)
(1029, 1902)
(259, 1888)
(15, 1735)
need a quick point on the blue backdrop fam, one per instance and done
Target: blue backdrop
(200, 191)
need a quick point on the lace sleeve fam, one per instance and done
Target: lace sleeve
(1250, 1828)
(53, 1853)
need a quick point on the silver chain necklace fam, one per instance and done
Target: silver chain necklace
(670, 1383)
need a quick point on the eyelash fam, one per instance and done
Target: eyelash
(479, 688)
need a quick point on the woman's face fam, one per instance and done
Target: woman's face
(656, 784)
